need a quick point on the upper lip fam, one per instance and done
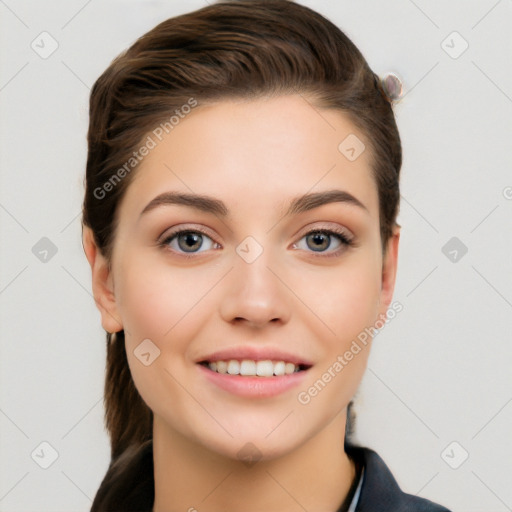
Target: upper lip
(254, 354)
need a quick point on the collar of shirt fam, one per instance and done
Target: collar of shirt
(355, 499)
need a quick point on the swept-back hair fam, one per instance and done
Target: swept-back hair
(230, 49)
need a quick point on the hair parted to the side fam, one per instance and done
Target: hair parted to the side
(230, 49)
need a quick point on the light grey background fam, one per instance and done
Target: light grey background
(439, 373)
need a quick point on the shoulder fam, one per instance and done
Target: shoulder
(380, 491)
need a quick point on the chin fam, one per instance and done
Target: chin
(249, 451)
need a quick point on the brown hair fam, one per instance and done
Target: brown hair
(244, 49)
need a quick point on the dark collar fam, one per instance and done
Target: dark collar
(380, 491)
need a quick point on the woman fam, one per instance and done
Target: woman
(240, 223)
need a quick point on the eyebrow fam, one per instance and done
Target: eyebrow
(208, 204)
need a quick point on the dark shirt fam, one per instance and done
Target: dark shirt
(379, 492)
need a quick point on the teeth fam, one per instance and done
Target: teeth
(248, 367)
(221, 367)
(233, 367)
(264, 369)
(289, 368)
(279, 368)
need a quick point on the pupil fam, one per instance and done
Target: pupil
(321, 241)
(191, 241)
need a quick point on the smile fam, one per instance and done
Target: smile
(252, 368)
(250, 378)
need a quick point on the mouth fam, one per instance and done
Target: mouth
(251, 368)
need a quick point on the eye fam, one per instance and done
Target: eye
(188, 241)
(319, 240)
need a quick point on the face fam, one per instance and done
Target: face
(252, 274)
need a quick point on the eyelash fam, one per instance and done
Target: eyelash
(345, 240)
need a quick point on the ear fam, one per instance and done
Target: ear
(389, 269)
(102, 283)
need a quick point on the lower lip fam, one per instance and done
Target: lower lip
(262, 387)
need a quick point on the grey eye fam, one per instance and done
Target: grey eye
(189, 241)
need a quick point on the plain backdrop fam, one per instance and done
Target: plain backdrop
(436, 402)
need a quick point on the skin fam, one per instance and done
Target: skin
(255, 156)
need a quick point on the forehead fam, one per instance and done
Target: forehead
(257, 153)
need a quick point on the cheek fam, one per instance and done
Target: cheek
(147, 308)
(349, 308)
(162, 305)
(345, 303)
(154, 299)
(342, 301)
(168, 307)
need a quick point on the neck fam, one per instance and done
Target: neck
(189, 477)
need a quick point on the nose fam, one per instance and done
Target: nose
(255, 295)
